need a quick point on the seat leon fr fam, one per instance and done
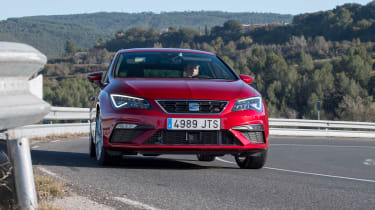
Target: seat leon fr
(176, 101)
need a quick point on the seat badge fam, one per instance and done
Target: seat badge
(193, 107)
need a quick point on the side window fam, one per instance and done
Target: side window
(105, 78)
(220, 72)
(105, 73)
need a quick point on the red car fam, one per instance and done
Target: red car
(177, 101)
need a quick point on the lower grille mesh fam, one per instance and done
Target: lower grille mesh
(167, 137)
(125, 135)
(255, 137)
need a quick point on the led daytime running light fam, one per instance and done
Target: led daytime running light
(123, 101)
(254, 103)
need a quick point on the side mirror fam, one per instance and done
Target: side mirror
(247, 79)
(95, 77)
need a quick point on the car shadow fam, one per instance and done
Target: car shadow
(72, 159)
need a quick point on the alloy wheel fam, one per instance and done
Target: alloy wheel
(98, 138)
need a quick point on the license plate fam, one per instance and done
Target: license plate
(193, 124)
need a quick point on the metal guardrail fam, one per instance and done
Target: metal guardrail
(68, 113)
(321, 124)
(278, 127)
(49, 130)
(321, 128)
(20, 104)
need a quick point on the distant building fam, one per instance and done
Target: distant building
(251, 27)
(164, 30)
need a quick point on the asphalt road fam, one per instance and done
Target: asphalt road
(301, 173)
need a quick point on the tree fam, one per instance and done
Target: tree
(69, 47)
(257, 60)
(231, 30)
(311, 109)
(275, 66)
(357, 64)
(70, 92)
(320, 46)
(244, 42)
(356, 109)
(306, 64)
(229, 50)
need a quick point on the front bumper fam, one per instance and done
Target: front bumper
(154, 137)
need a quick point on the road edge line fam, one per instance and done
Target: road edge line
(302, 172)
(135, 203)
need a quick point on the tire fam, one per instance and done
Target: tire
(207, 158)
(150, 155)
(102, 155)
(254, 161)
(92, 151)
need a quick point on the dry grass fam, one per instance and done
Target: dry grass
(44, 205)
(59, 136)
(5, 172)
(6, 180)
(48, 189)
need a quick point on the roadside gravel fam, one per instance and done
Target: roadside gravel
(76, 202)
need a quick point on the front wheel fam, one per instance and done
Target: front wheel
(254, 161)
(92, 150)
(102, 155)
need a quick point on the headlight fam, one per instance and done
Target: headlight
(248, 103)
(122, 102)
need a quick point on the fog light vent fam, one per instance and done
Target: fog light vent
(253, 132)
(126, 126)
(125, 135)
(255, 137)
(250, 127)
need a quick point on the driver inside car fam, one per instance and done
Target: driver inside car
(191, 70)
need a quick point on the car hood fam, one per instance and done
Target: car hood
(183, 88)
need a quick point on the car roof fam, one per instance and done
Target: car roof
(165, 50)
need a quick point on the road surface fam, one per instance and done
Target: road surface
(301, 173)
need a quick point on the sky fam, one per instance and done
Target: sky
(21, 8)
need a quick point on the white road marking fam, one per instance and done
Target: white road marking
(73, 197)
(320, 145)
(325, 175)
(35, 147)
(44, 170)
(369, 162)
(47, 171)
(127, 201)
(302, 172)
(225, 161)
(135, 203)
(54, 141)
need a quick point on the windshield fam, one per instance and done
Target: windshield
(172, 65)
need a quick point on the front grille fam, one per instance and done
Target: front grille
(125, 135)
(168, 137)
(182, 106)
(255, 137)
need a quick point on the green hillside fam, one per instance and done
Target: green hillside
(49, 33)
(291, 74)
(346, 22)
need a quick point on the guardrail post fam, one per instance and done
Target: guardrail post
(23, 173)
(19, 106)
